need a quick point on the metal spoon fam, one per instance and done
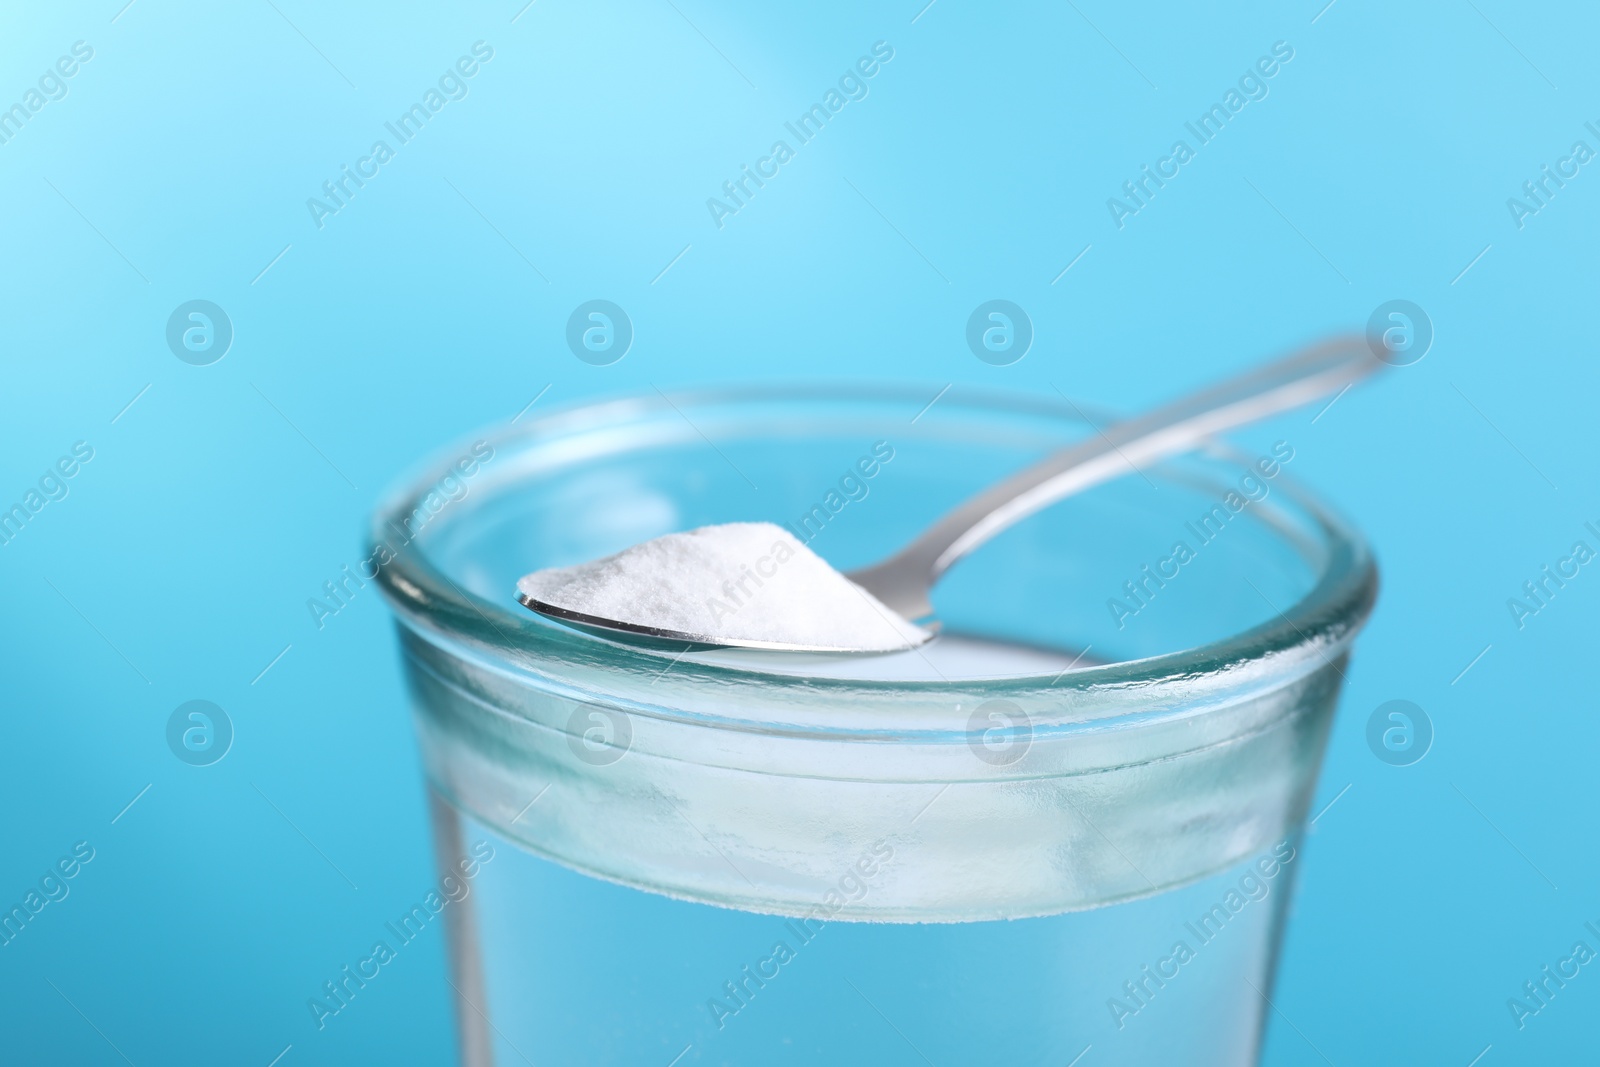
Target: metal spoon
(902, 582)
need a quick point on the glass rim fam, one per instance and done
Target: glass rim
(1314, 629)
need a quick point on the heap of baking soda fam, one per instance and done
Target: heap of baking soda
(750, 583)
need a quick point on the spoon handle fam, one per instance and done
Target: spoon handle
(903, 580)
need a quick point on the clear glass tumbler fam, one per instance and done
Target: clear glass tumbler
(1066, 828)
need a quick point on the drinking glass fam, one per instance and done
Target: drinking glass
(1068, 827)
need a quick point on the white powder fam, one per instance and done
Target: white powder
(747, 583)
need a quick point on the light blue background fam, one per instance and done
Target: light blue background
(178, 166)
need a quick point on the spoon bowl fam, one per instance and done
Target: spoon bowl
(684, 641)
